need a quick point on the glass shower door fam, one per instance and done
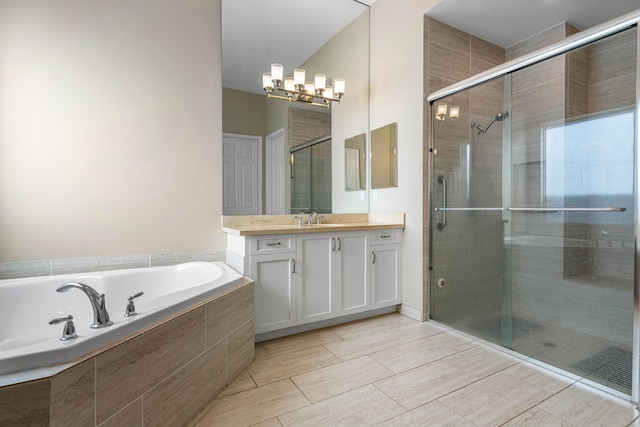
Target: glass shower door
(532, 207)
(466, 219)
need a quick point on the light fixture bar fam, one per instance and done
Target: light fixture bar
(296, 89)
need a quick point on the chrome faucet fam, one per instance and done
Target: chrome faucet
(310, 218)
(100, 314)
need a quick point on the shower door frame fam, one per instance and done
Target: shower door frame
(576, 41)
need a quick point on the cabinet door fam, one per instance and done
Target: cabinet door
(275, 291)
(314, 267)
(352, 272)
(386, 275)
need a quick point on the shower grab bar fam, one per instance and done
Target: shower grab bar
(443, 181)
(549, 210)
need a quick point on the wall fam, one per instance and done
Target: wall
(396, 95)
(109, 129)
(243, 113)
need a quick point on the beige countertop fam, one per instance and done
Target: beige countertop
(256, 225)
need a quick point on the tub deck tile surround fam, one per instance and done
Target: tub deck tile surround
(25, 404)
(163, 376)
(73, 393)
(123, 374)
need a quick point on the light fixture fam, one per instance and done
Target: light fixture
(297, 89)
(442, 109)
(454, 112)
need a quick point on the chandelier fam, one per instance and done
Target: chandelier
(296, 89)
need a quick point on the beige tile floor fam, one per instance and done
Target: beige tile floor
(393, 371)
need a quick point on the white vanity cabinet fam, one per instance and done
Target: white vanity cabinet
(386, 268)
(332, 274)
(316, 276)
(271, 263)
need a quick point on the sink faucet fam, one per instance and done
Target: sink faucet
(310, 218)
(100, 314)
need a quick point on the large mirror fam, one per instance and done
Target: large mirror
(320, 36)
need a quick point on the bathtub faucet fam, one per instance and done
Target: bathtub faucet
(100, 314)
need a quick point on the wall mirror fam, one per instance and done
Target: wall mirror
(384, 159)
(253, 37)
(355, 163)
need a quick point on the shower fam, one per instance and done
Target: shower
(499, 117)
(479, 137)
(538, 253)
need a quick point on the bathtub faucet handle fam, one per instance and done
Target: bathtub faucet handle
(69, 331)
(131, 308)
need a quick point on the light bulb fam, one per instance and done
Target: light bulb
(267, 83)
(338, 87)
(328, 92)
(454, 112)
(309, 88)
(289, 85)
(276, 72)
(321, 81)
(298, 76)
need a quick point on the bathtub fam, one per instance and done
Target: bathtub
(28, 342)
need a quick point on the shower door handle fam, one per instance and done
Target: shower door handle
(443, 223)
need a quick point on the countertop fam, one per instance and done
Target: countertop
(256, 225)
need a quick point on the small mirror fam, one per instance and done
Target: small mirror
(355, 163)
(384, 170)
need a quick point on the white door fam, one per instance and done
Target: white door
(241, 174)
(275, 174)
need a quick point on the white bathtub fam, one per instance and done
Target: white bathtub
(28, 342)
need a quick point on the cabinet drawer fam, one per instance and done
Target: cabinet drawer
(381, 237)
(272, 244)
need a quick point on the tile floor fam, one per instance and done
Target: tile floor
(393, 371)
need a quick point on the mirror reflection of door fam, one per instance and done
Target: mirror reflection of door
(352, 178)
(241, 174)
(275, 174)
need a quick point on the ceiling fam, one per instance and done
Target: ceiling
(506, 22)
(256, 33)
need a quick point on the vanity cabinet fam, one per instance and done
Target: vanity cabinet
(271, 263)
(386, 268)
(308, 277)
(332, 275)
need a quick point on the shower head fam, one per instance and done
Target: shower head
(499, 117)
